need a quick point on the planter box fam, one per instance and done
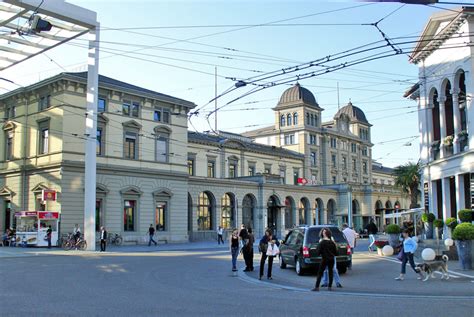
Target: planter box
(465, 253)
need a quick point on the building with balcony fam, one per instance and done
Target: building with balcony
(152, 170)
(446, 112)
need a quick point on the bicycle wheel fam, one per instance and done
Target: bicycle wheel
(118, 241)
(67, 245)
(82, 245)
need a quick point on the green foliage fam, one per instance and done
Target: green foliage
(407, 177)
(464, 231)
(393, 229)
(451, 222)
(465, 215)
(428, 217)
(438, 223)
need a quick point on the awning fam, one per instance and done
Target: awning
(19, 42)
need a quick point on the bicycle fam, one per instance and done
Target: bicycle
(115, 239)
(72, 243)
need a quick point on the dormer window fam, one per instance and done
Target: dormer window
(282, 120)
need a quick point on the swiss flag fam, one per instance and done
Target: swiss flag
(302, 181)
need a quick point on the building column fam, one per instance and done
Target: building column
(457, 122)
(433, 197)
(442, 125)
(460, 195)
(446, 198)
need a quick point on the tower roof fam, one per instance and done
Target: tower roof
(297, 95)
(354, 113)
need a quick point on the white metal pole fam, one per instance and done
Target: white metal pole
(91, 134)
(349, 206)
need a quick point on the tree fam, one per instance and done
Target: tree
(407, 177)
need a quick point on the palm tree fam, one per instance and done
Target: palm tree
(407, 177)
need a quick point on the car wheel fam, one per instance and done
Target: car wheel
(299, 270)
(342, 269)
(282, 263)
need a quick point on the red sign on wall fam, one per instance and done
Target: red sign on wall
(49, 195)
(48, 215)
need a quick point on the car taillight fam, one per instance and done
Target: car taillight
(305, 252)
(348, 250)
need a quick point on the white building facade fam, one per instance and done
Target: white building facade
(446, 111)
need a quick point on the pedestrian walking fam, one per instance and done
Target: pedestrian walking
(409, 248)
(351, 237)
(151, 233)
(327, 250)
(220, 233)
(103, 239)
(243, 235)
(336, 276)
(234, 248)
(267, 241)
(49, 233)
(248, 251)
(371, 227)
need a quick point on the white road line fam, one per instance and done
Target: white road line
(452, 273)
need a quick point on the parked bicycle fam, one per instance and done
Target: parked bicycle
(71, 243)
(115, 239)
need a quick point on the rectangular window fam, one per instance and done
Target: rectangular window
(9, 145)
(44, 140)
(333, 160)
(166, 116)
(296, 175)
(99, 149)
(157, 115)
(44, 102)
(161, 115)
(267, 169)
(251, 170)
(191, 166)
(162, 149)
(364, 167)
(289, 139)
(232, 169)
(130, 145)
(344, 163)
(313, 158)
(354, 165)
(10, 112)
(353, 147)
(131, 108)
(101, 102)
(283, 174)
(160, 216)
(211, 169)
(333, 143)
(129, 211)
(312, 139)
(365, 151)
(334, 180)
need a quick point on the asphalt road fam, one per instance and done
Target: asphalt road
(199, 282)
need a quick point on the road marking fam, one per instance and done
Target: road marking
(452, 273)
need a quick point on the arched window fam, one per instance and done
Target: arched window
(289, 212)
(204, 214)
(248, 210)
(227, 211)
(315, 120)
(282, 120)
(295, 118)
(312, 120)
(288, 119)
(308, 122)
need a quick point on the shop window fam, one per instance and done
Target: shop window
(129, 214)
(161, 210)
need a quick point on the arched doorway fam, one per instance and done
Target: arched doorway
(289, 212)
(319, 211)
(304, 212)
(356, 216)
(331, 212)
(205, 211)
(448, 108)
(228, 211)
(273, 208)
(379, 213)
(248, 210)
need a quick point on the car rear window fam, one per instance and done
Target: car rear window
(313, 235)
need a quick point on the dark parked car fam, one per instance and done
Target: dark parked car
(299, 248)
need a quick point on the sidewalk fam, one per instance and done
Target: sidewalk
(8, 252)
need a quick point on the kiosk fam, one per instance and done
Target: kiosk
(31, 227)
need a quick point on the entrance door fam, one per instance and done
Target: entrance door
(7, 220)
(272, 218)
(98, 215)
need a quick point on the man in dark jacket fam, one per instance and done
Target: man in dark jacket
(103, 239)
(248, 251)
(151, 233)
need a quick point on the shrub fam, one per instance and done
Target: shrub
(464, 231)
(438, 223)
(428, 217)
(465, 215)
(451, 222)
(393, 229)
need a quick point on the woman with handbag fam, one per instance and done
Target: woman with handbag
(408, 249)
(268, 247)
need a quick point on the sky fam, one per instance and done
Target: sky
(174, 47)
